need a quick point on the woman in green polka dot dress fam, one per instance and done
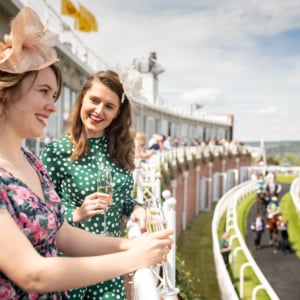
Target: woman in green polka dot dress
(99, 133)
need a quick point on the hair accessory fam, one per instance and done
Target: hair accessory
(132, 82)
(29, 46)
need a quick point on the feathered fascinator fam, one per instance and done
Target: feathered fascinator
(29, 46)
(132, 82)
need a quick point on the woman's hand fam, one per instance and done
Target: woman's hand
(151, 248)
(139, 215)
(94, 204)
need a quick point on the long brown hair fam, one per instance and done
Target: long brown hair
(120, 141)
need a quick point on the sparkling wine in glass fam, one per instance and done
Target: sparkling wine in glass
(155, 221)
(105, 185)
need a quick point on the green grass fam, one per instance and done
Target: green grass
(251, 281)
(243, 211)
(195, 248)
(285, 178)
(289, 213)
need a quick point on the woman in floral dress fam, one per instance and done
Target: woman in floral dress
(32, 226)
(99, 133)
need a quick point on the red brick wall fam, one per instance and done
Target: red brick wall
(244, 160)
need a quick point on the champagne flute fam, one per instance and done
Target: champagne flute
(155, 221)
(104, 185)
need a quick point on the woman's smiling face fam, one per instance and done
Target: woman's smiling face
(32, 103)
(100, 105)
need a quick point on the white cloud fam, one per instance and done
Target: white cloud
(236, 53)
(270, 110)
(201, 96)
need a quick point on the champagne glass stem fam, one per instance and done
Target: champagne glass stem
(166, 282)
(104, 223)
(168, 289)
(105, 186)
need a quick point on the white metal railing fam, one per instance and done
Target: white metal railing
(144, 280)
(277, 169)
(147, 182)
(144, 284)
(250, 186)
(295, 193)
(228, 204)
(226, 287)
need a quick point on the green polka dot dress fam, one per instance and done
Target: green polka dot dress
(74, 180)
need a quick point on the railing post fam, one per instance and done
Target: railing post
(223, 165)
(236, 177)
(231, 238)
(256, 289)
(235, 251)
(173, 186)
(224, 182)
(210, 166)
(185, 195)
(237, 163)
(197, 209)
(157, 189)
(243, 267)
(170, 212)
(144, 284)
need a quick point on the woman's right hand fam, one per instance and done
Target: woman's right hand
(94, 204)
(151, 248)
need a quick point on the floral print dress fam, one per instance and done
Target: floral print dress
(74, 180)
(39, 221)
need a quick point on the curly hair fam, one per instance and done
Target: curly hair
(120, 140)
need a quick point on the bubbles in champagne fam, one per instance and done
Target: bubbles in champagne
(155, 226)
(108, 189)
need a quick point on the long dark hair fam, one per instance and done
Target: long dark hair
(120, 140)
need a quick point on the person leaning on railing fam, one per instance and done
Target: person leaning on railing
(140, 147)
(225, 248)
(99, 133)
(32, 225)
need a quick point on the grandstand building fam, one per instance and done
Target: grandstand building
(77, 62)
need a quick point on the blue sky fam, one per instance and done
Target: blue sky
(232, 57)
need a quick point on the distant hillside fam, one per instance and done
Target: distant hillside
(279, 148)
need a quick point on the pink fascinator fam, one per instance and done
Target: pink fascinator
(29, 46)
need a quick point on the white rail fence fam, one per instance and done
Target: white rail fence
(226, 287)
(295, 193)
(228, 204)
(148, 184)
(143, 284)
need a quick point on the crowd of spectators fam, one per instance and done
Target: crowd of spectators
(159, 142)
